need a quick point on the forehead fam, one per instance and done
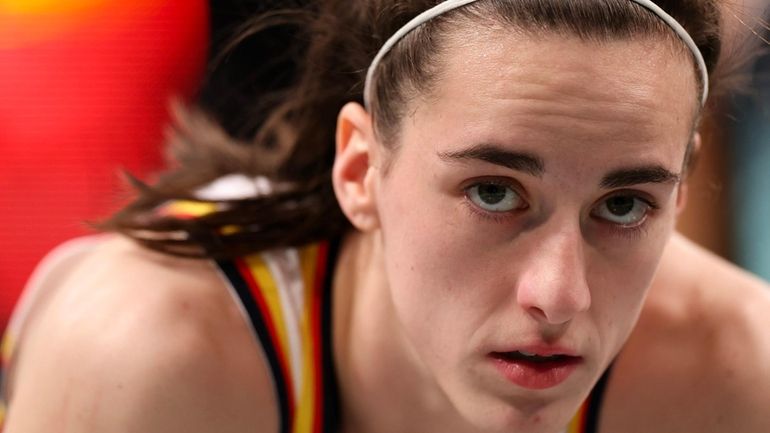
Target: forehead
(549, 91)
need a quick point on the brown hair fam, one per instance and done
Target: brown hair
(294, 140)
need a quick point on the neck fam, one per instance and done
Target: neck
(382, 383)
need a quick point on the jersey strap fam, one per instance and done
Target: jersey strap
(5, 356)
(586, 420)
(287, 298)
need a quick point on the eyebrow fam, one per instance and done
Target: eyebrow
(637, 175)
(519, 161)
(534, 165)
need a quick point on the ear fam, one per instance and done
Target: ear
(354, 171)
(681, 199)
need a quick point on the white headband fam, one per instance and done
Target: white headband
(449, 5)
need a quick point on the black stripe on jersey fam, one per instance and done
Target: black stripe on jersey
(268, 346)
(331, 409)
(595, 403)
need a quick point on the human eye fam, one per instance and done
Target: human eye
(494, 197)
(625, 210)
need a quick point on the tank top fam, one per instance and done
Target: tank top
(286, 297)
(4, 357)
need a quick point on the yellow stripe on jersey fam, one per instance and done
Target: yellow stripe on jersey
(7, 348)
(270, 292)
(577, 424)
(306, 403)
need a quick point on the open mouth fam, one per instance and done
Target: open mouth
(533, 358)
(535, 371)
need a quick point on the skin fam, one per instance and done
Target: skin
(97, 360)
(93, 359)
(462, 282)
(698, 357)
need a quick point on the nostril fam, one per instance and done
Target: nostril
(551, 317)
(552, 286)
(538, 313)
(554, 304)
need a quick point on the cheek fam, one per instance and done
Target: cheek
(620, 282)
(421, 264)
(430, 273)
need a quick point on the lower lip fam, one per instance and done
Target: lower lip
(536, 375)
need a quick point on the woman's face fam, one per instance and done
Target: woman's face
(525, 212)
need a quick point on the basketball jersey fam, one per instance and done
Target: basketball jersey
(4, 357)
(286, 297)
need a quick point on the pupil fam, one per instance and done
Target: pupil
(492, 194)
(620, 206)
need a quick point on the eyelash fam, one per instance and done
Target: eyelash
(629, 232)
(486, 216)
(495, 217)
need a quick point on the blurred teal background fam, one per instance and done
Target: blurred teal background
(750, 174)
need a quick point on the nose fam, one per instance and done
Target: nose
(552, 286)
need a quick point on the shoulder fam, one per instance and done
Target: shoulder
(699, 358)
(703, 295)
(132, 340)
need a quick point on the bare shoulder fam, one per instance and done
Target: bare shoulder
(132, 340)
(699, 358)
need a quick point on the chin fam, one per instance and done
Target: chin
(520, 417)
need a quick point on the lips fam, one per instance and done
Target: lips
(536, 368)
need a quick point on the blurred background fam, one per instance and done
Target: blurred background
(85, 87)
(729, 207)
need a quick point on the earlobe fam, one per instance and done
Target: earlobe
(354, 170)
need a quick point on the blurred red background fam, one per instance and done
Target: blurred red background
(84, 92)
